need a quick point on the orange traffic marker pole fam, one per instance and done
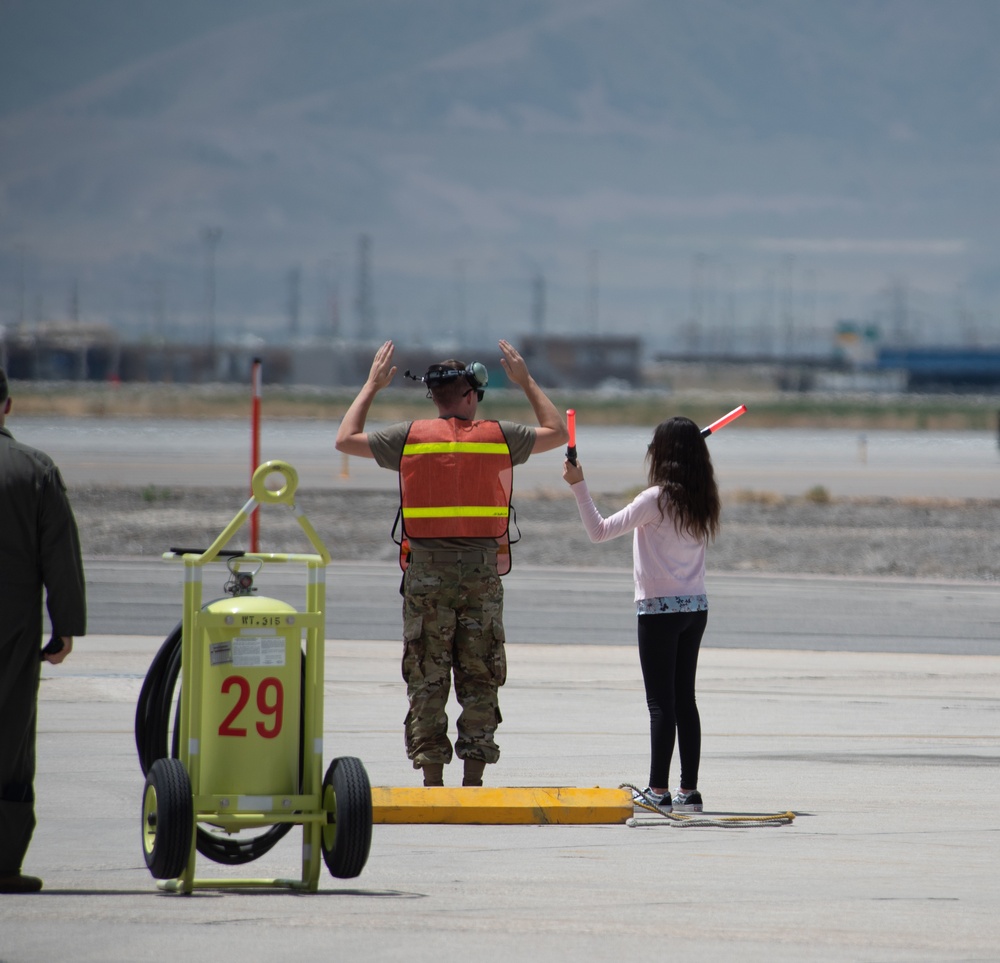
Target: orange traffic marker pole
(255, 446)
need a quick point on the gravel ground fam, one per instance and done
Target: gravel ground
(883, 537)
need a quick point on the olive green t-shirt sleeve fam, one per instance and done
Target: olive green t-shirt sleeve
(387, 443)
(520, 440)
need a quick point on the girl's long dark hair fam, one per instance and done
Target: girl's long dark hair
(681, 467)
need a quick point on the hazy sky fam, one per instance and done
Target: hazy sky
(696, 171)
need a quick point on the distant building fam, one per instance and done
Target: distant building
(908, 367)
(72, 351)
(942, 368)
(93, 352)
(583, 362)
(60, 351)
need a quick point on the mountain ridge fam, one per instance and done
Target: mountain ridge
(479, 146)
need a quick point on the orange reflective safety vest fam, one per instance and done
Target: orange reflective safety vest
(455, 481)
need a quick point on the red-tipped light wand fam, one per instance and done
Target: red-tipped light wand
(571, 425)
(721, 423)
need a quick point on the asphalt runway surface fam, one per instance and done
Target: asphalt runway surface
(786, 461)
(589, 606)
(566, 606)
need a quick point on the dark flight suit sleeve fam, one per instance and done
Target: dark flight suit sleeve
(60, 558)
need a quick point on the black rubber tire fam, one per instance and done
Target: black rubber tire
(167, 818)
(347, 835)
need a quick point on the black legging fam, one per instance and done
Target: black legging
(668, 654)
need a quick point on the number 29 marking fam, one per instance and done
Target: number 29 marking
(270, 703)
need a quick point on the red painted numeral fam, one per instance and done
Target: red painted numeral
(270, 703)
(227, 728)
(274, 708)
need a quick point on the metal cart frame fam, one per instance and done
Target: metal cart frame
(211, 781)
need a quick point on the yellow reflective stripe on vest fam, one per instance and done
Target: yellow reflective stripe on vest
(436, 447)
(458, 511)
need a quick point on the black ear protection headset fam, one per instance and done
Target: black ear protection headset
(438, 374)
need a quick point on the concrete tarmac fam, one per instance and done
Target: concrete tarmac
(889, 759)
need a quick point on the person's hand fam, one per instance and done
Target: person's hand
(54, 658)
(351, 436)
(513, 364)
(572, 474)
(383, 370)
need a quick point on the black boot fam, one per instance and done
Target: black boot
(474, 769)
(433, 773)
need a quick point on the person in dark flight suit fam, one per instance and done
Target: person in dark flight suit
(39, 550)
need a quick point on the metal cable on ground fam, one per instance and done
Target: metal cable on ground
(684, 819)
(152, 726)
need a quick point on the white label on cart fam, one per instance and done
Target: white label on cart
(253, 650)
(219, 653)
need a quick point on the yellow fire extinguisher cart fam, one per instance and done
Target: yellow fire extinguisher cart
(249, 731)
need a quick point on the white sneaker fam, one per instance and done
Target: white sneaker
(688, 802)
(649, 798)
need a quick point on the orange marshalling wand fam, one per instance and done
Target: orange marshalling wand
(723, 421)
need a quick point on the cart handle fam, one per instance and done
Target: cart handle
(262, 494)
(285, 494)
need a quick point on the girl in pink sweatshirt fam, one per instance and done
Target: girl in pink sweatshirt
(671, 521)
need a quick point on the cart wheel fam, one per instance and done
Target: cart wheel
(167, 818)
(347, 835)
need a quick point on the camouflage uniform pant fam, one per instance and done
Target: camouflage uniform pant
(452, 623)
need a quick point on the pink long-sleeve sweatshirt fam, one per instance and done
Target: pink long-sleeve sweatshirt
(664, 562)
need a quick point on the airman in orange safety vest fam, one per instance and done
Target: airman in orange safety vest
(456, 482)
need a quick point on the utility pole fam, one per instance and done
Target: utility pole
(966, 319)
(294, 300)
(333, 308)
(211, 236)
(21, 284)
(900, 313)
(696, 326)
(460, 301)
(157, 308)
(765, 347)
(788, 306)
(74, 301)
(538, 303)
(810, 286)
(364, 300)
(328, 318)
(727, 328)
(593, 292)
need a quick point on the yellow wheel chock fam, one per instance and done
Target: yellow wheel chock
(529, 805)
